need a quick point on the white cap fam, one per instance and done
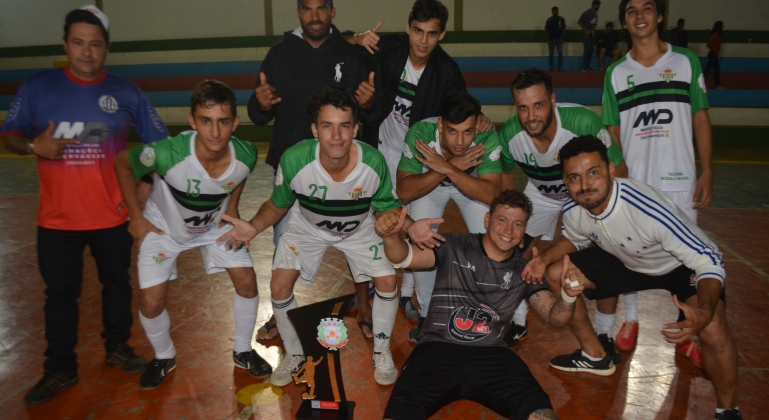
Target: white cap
(98, 13)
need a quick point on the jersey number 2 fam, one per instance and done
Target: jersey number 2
(375, 248)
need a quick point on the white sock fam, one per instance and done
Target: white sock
(595, 359)
(407, 288)
(383, 315)
(158, 331)
(244, 312)
(519, 317)
(631, 306)
(604, 323)
(721, 410)
(286, 329)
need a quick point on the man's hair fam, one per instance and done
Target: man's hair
(583, 144)
(514, 199)
(609, 25)
(338, 98)
(210, 93)
(554, 8)
(83, 16)
(424, 10)
(330, 3)
(595, 2)
(458, 107)
(531, 77)
(717, 27)
(681, 21)
(659, 4)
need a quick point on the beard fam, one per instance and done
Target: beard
(316, 35)
(543, 127)
(595, 201)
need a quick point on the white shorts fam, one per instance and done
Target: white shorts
(683, 199)
(302, 246)
(544, 215)
(157, 256)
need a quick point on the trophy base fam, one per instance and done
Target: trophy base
(306, 412)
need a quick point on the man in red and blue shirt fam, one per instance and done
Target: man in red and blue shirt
(76, 119)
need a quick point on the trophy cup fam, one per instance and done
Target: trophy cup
(322, 333)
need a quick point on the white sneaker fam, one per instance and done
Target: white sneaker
(385, 372)
(281, 376)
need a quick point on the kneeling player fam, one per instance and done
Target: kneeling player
(336, 180)
(196, 177)
(461, 353)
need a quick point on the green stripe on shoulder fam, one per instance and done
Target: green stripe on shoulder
(245, 152)
(297, 157)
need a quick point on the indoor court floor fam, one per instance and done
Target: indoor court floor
(652, 382)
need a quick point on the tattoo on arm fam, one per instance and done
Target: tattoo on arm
(543, 414)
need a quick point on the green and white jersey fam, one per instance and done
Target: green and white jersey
(393, 129)
(653, 106)
(336, 208)
(186, 202)
(544, 169)
(427, 131)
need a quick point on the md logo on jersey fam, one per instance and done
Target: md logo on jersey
(552, 189)
(668, 75)
(469, 325)
(93, 132)
(206, 219)
(108, 104)
(662, 116)
(338, 227)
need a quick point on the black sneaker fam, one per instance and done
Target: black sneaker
(731, 414)
(608, 346)
(414, 333)
(155, 372)
(576, 362)
(125, 357)
(251, 361)
(47, 388)
(516, 333)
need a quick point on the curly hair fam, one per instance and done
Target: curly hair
(514, 199)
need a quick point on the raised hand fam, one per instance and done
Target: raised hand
(483, 124)
(422, 234)
(241, 234)
(696, 320)
(470, 159)
(366, 92)
(265, 93)
(535, 269)
(47, 146)
(572, 279)
(369, 39)
(390, 223)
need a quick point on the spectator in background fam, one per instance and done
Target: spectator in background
(588, 21)
(678, 35)
(555, 29)
(714, 50)
(606, 44)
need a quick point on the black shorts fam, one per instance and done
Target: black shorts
(612, 278)
(438, 373)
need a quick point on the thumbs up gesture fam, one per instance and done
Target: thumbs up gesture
(265, 93)
(366, 92)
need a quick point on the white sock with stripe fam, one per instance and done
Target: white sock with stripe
(383, 315)
(286, 329)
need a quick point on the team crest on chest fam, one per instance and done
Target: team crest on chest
(229, 187)
(468, 325)
(668, 75)
(159, 258)
(356, 193)
(108, 104)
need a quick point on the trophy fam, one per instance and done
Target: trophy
(322, 333)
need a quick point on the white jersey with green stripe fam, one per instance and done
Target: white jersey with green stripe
(336, 208)
(544, 169)
(186, 202)
(393, 129)
(427, 131)
(653, 106)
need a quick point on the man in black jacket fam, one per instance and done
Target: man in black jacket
(311, 57)
(412, 76)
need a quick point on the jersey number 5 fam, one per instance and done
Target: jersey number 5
(630, 83)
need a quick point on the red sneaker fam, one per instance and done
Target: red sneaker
(691, 350)
(627, 336)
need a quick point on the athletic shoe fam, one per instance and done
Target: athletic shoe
(291, 363)
(608, 346)
(691, 350)
(49, 385)
(576, 362)
(628, 335)
(155, 372)
(385, 372)
(125, 357)
(251, 361)
(730, 414)
(414, 333)
(516, 333)
(409, 309)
